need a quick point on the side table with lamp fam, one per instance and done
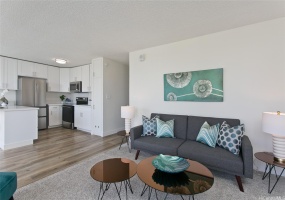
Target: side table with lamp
(274, 124)
(127, 112)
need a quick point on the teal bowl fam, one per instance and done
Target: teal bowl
(170, 164)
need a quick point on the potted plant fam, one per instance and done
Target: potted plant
(62, 97)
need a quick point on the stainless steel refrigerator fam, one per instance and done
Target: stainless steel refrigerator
(32, 92)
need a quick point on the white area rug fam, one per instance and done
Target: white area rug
(75, 183)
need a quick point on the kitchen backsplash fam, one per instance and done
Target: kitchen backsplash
(11, 97)
(51, 97)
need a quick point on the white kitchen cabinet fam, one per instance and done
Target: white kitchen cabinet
(64, 79)
(53, 79)
(75, 74)
(40, 71)
(55, 115)
(82, 117)
(25, 68)
(8, 73)
(31, 69)
(85, 75)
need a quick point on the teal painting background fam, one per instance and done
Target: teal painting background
(213, 75)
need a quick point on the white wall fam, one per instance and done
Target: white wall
(115, 95)
(253, 59)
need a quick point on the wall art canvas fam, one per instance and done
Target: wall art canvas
(199, 86)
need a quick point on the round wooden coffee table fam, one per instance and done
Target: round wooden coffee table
(196, 179)
(115, 170)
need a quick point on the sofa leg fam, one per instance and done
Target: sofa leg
(137, 154)
(12, 198)
(239, 183)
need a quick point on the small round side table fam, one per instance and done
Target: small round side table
(268, 159)
(125, 136)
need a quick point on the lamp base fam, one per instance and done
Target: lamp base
(280, 160)
(278, 148)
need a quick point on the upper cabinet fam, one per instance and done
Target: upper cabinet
(75, 74)
(40, 70)
(32, 69)
(85, 74)
(64, 79)
(8, 73)
(53, 79)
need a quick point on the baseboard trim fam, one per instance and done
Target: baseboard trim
(16, 145)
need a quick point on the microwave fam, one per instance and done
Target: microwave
(75, 86)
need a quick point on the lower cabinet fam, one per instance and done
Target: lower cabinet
(82, 117)
(55, 116)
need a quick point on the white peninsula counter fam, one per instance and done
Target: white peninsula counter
(18, 126)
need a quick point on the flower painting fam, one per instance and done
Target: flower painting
(199, 86)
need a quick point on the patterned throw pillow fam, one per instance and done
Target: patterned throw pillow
(230, 137)
(149, 126)
(165, 129)
(208, 134)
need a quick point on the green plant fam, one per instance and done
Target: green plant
(62, 97)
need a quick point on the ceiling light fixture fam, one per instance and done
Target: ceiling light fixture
(60, 61)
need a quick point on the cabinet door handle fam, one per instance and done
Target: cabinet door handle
(50, 112)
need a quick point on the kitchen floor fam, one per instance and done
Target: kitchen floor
(54, 150)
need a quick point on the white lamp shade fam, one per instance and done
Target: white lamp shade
(273, 123)
(127, 112)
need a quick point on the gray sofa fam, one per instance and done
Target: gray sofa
(186, 129)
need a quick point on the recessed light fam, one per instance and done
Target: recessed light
(60, 61)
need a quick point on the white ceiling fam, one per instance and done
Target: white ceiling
(78, 31)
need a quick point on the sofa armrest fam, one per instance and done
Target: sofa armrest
(136, 132)
(247, 156)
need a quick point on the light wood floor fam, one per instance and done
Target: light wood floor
(54, 150)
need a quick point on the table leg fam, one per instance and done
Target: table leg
(121, 142)
(103, 190)
(127, 139)
(149, 192)
(270, 190)
(101, 187)
(117, 191)
(144, 189)
(130, 186)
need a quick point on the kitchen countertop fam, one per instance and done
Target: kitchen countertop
(55, 104)
(16, 108)
(82, 105)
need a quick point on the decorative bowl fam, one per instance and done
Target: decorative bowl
(170, 164)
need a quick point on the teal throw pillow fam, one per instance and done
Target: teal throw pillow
(165, 129)
(230, 137)
(149, 126)
(208, 134)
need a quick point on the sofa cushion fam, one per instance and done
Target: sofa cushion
(208, 134)
(156, 145)
(195, 123)
(216, 158)
(180, 124)
(165, 129)
(149, 126)
(230, 137)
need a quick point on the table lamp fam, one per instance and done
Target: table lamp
(127, 112)
(274, 124)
